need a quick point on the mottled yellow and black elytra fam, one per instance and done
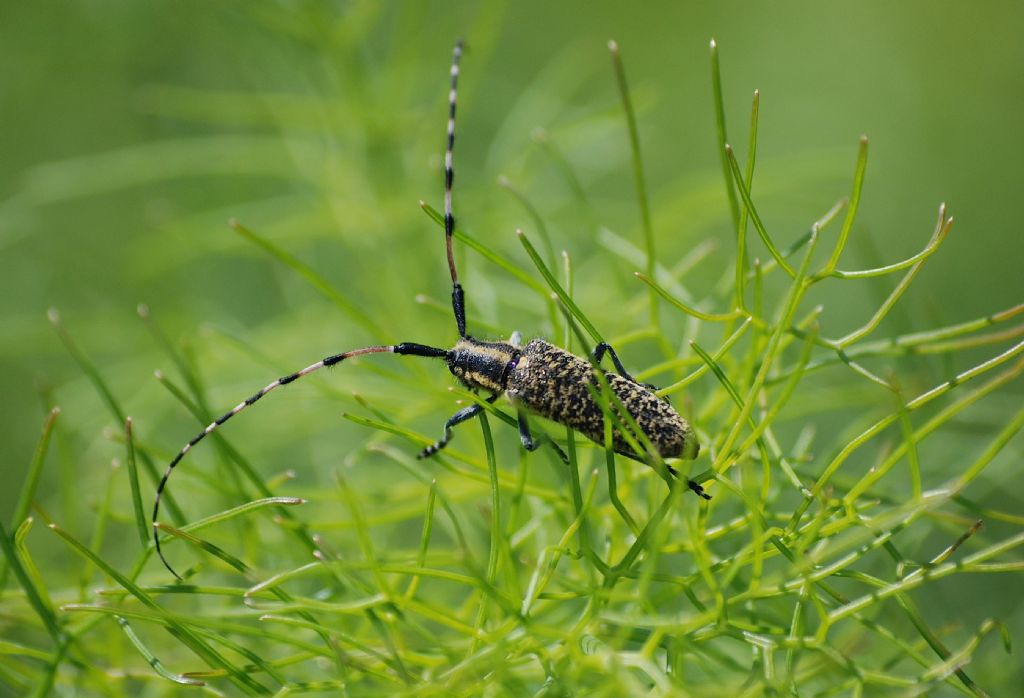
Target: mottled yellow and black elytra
(556, 384)
(553, 383)
(537, 378)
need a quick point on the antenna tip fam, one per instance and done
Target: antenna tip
(53, 315)
(613, 46)
(713, 45)
(158, 374)
(143, 310)
(233, 223)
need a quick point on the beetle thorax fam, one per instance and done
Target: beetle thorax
(482, 365)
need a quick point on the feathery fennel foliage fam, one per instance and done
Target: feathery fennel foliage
(490, 571)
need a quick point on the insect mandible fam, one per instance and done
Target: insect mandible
(537, 378)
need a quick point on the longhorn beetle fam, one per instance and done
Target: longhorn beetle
(538, 377)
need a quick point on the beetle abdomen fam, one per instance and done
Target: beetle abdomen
(554, 384)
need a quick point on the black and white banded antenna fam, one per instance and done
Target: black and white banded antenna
(458, 298)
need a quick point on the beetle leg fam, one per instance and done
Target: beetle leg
(524, 433)
(532, 444)
(456, 419)
(598, 354)
(692, 484)
(697, 489)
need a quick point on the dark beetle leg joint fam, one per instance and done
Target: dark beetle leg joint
(457, 418)
(599, 352)
(697, 489)
(692, 484)
(532, 444)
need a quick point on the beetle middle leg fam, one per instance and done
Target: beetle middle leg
(532, 444)
(456, 419)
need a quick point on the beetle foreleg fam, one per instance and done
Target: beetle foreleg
(458, 418)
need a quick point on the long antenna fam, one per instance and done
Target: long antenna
(458, 298)
(408, 348)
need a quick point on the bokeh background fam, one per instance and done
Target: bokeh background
(131, 132)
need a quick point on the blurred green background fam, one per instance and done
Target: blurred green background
(131, 132)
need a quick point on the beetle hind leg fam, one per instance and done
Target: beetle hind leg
(605, 348)
(697, 489)
(692, 484)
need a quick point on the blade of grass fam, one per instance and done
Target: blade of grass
(929, 249)
(742, 267)
(36, 597)
(90, 370)
(638, 171)
(717, 356)
(532, 211)
(909, 583)
(184, 633)
(31, 483)
(699, 314)
(428, 526)
(559, 292)
(141, 522)
(797, 290)
(152, 659)
(35, 468)
(916, 403)
(494, 551)
(755, 218)
(723, 139)
(318, 282)
(901, 287)
(851, 212)
(487, 254)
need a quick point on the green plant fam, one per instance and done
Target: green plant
(485, 573)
